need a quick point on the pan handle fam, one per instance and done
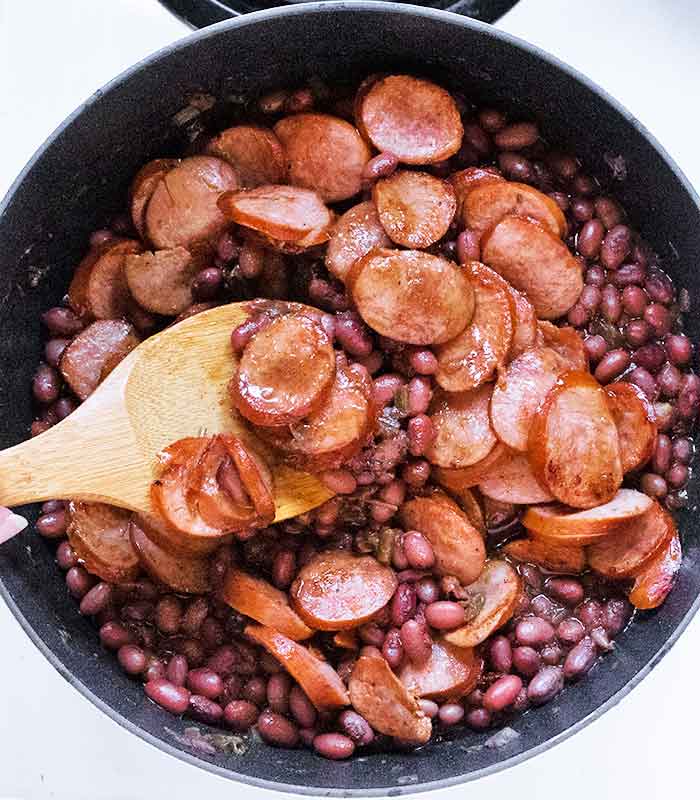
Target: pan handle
(200, 13)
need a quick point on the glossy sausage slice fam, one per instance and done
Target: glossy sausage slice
(474, 355)
(411, 296)
(463, 432)
(573, 445)
(456, 480)
(174, 541)
(259, 600)
(162, 281)
(524, 324)
(535, 262)
(635, 419)
(565, 341)
(285, 371)
(254, 152)
(380, 697)
(99, 534)
(512, 481)
(516, 398)
(337, 590)
(355, 234)
(468, 502)
(320, 682)
(458, 545)
(324, 153)
(283, 214)
(416, 209)
(95, 352)
(142, 188)
(466, 180)
(493, 598)
(626, 552)
(450, 673)
(488, 203)
(183, 209)
(568, 559)
(653, 584)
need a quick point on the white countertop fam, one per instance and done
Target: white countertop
(54, 743)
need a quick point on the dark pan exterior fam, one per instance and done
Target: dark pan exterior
(80, 176)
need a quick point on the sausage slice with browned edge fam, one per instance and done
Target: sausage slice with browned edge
(466, 180)
(566, 341)
(254, 152)
(451, 672)
(354, 235)
(337, 590)
(460, 478)
(636, 426)
(524, 324)
(512, 480)
(174, 541)
(162, 281)
(142, 188)
(554, 557)
(653, 584)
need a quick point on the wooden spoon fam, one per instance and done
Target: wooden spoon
(172, 385)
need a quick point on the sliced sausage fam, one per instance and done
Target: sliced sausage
(380, 697)
(337, 590)
(467, 501)
(285, 371)
(474, 355)
(189, 575)
(636, 426)
(99, 534)
(516, 398)
(356, 233)
(320, 682)
(457, 544)
(565, 341)
(466, 180)
(323, 153)
(346, 640)
(536, 262)
(142, 188)
(254, 152)
(455, 480)
(174, 541)
(488, 203)
(585, 527)
(573, 445)
(626, 552)
(282, 214)
(512, 481)
(94, 353)
(412, 118)
(493, 598)
(98, 289)
(411, 296)
(259, 600)
(162, 281)
(463, 432)
(450, 673)
(524, 324)
(415, 208)
(183, 209)
(554, 557)
(653, 584)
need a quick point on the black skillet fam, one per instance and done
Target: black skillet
(79, 177)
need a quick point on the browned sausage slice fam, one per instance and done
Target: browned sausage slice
(95, 352)
(573, 445)
(524, 324)
(415, 208)
(337, 590)
(455, 480)
(518, 395)
(324, 153)
(99, 534)
(466, 180)
(635, 419)
(566, 342)
(259, 600)
(626, 552)
(142, 188)
(356, 233)
(463, 432)
(254, 152)
(458, 545)
(468, 502)
(285, 372)
(411, 296)
(162, 281)
(653, 584)
(472, 357)
(288, 214)
(183, 209)
(568, 559)
(317, 678)
(450, 673)
(413, 118)
(174, 541)
(381, 698)
(512, 481)
(536, 262)
(493, 597)
(488, 203)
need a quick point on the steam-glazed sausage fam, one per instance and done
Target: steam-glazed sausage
(174, 541)
(356, 233)
(655, 581)
(466, 180)
(450, 673)
(567, 342)
(455, 480)
(554, 557)
(142, 188)
(162, 281)
(254, 152)
(512, 480)
(488, 203)
(635, 420)
(524, 324)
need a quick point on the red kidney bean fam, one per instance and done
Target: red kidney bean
(139, 611)
(581, 209)
(176, 671)
(645, 381)
(566, 590)
(398, 555)
(615, 614)
(601, 639)
(63, 407)
(307, 736)
(689, 396)
(243, 333)
(53, 350)
(531, 575)
(302, 708)
(516, 167)
(79, 581)
(534, 631)
(547, 683)
(419, 395)
(340, 481)
(392, 648)
(678, 348)
(516, 136)
(608, 212)
(423, 361)
(637, 332)
(561, 199)
(371, 633)
(677, 476)
(96, 599)
(417, 642)
(444, 615)
(543, 607)
(628, 275)
(356, 727)
(610, 303)
(596, 276)
(52, 505)
(418, 549)
(211, 634)
(427, 590)
(477, 138)
(66, 557)
(451, 713)
(255, 690)
(277, 730)
(564, 166)
(580, 659)
(612, 365)
(381, 166)
(403, 604)
(372, 363)
(227, 248)
(206, 682)
(224, 660)
(385, 388)
(502, 692)
(192, 650)
(52, 525)
(475, 698)
(590, 298)
(616, 246)
(571, 630)
(479, 719)
(584, 184)
(500, 654)
(416, 473)
(682, 450)
(278, 688)
(335, 746)
(659, 318)
(100, 237)
(204, 709)
(207, 283)
(114, 635)
(195, 614)
(659, 287)
(492, 120)
(351, 334)
(174, 699)
(393, 493)
(155, 669)
(590, 613)
(590, 238)
(596, 347)
(650, 356)
(669, 380)
(284, 568)
(132, 659)
(551, 654)
(269, 664)
(168, 614)
(468, 247)
(240, 715)
(62, 321)
(578, 315)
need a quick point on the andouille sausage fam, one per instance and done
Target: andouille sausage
(466, 180)
(94, 353)
(469, 503)
(285, 371)
(653, 584)
(567, 342)
(455, 480)
(411, 296)
(254, 152)
(323, 153)
(161, 281)
(142, 188)
(635, 419)
(356, 233)
(337, 590)
(415, 209)
(554, 557)
(573, 446)
(174, 541)
(524, 324)
(512, 480)
(451, 672)
(412, 118)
